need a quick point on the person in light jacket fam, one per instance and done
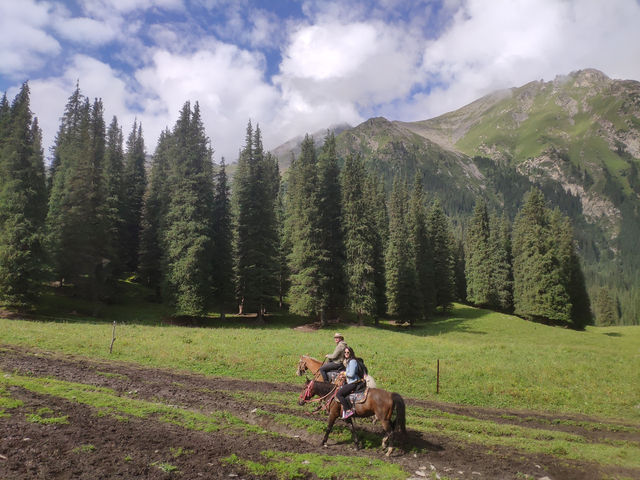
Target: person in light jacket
(334, 360)
(353, 382)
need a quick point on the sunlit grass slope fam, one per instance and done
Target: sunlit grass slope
(486, 358)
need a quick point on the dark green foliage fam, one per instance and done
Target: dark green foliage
(403, 296)
(187, 233)
(361, 237)
(76, 220)
(332, 253)
(22, 202)
(421, 249)
(501, 268)
(135, 182)
(255, 191)
(441, 239)
(374, 190)
(478, 257)
(540, 281)
(605, 308)
(303, 228)
(572, 276)
(154, 213)
(114, 197)
(222, 268)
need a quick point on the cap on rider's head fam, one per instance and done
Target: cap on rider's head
(338, 335)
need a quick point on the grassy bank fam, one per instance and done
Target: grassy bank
(486, 358)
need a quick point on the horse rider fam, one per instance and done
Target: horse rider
(352, 384)
(336, 359)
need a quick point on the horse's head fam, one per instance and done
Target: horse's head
(307, 393)
(302, 366)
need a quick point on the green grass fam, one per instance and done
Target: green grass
(108, 402)
(295, 465)
(44, 416)
(486, 358)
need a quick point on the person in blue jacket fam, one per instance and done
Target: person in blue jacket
(353, 382)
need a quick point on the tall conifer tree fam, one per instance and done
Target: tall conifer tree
(304, 232)
(188, 232)
(332, 255)
(135, 183)
(421, 249)
(114, 196)
(222, 269)
(478, 257)
(403, 296)
(539, 288)
(441, 237)
(151, 267)
(374, 190)
(501, 269)
(75, 219)
(256, 187)
(22, 202)
(360, 239)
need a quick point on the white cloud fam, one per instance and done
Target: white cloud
(97, 80)
(85, 30)
(100, 7)
(516, 41)
(226, 81)
(24, 41)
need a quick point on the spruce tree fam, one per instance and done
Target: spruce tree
(374, 190)
(440, 236)
(360, 235)
(151, 266)
(421, 249)
(135, 182)
(605, 308)
(222, 268)
(114, 196)
(478, 257)
(255, 191)
(187, 236)
(501, 269)
(539, 287)
(572, 276)
(75, 220)
(332, 255)
(22, 202)
(403, 296)
(303, 228)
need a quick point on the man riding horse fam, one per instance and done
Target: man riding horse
(335, 361)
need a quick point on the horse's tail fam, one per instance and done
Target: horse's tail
(399, 424)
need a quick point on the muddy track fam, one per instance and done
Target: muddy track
(139, 447)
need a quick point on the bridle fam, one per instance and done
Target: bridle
(305, 396)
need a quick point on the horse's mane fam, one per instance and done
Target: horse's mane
(322, 388)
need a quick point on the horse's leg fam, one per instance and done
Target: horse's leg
(354, 434)
(387, 441)
(333, 414)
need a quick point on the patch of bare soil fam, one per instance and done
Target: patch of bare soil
(92, 446)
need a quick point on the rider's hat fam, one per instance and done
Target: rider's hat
(338, 335)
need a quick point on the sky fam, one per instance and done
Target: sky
(299, 66)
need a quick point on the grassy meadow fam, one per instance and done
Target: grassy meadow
(486, 358)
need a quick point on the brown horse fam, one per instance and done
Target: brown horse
(309, 363)
(379, 402)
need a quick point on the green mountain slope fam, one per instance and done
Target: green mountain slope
(576, 137)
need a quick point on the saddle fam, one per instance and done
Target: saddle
(358, 397)
(332, 375)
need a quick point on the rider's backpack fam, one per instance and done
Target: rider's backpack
(361, 370)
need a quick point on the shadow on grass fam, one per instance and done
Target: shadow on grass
(458, 320)
(134, 307)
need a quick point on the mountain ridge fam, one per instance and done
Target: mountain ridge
(577, 137)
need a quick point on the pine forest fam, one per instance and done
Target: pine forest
(326, 238)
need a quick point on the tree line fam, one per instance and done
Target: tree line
(323, 239)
